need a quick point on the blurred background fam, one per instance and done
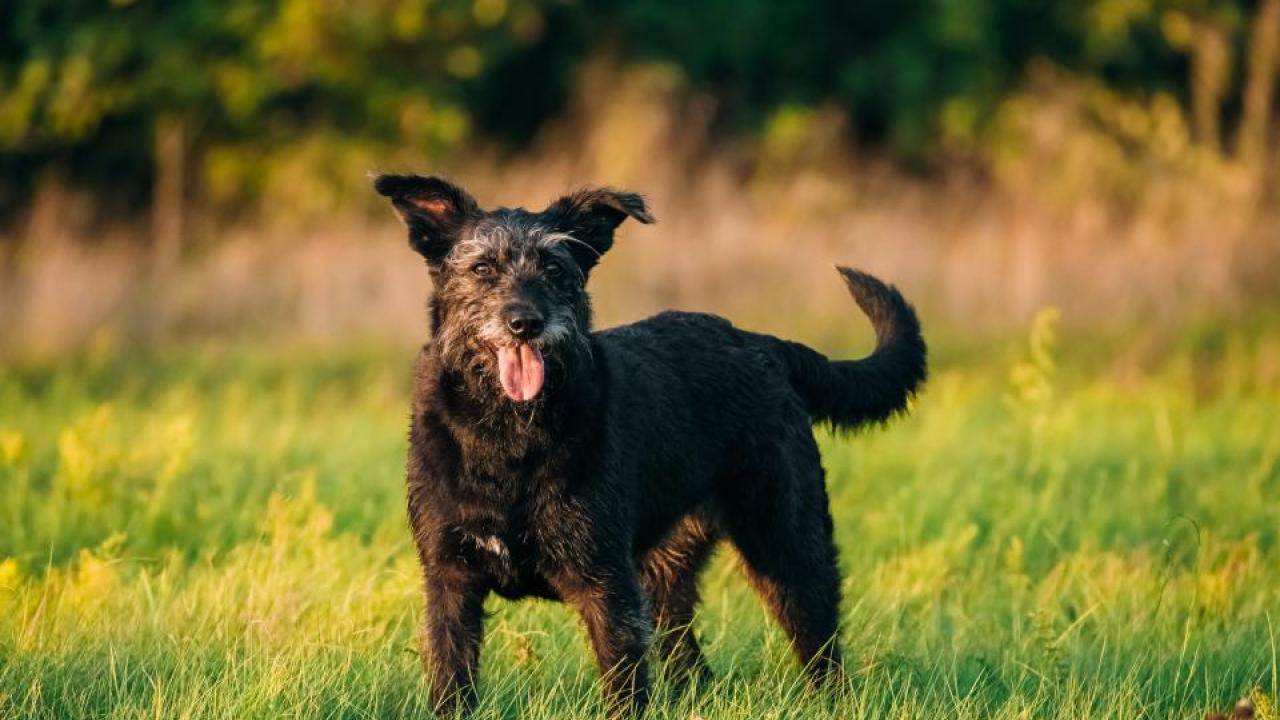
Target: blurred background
(207, 321)
(201, 168)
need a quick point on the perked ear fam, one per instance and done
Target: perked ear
(434, 210)
(591, 215)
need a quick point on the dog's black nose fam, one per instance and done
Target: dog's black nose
(524, 322)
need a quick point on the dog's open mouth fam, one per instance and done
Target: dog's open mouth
(520, 370)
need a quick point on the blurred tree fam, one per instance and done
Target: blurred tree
(113, 94)
(145, 101)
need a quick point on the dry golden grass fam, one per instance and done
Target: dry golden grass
(1078, 197)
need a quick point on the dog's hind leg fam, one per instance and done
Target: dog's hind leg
(777, 516)
(669, 574)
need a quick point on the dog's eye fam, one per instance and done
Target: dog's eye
(554, 269)
(482, 270)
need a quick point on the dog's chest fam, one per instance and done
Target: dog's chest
(508, 555)
(491, 553)
(501, 510)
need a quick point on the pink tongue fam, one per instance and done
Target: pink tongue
(520, 370)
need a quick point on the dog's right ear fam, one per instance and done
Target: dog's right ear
(434, 210)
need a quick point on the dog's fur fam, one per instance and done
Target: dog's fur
(645, 446)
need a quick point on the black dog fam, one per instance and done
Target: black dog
(602, 468)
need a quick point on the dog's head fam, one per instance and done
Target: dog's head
(510, 284)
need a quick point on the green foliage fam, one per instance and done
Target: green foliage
(82, 82)
(81, 77)
(221, 533)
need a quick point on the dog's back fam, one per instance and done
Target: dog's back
(697, 404)
(716, 382)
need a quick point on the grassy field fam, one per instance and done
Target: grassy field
(220, 533)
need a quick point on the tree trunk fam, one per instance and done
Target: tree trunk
(1210, 71)
(168, 192)
(1264, 51)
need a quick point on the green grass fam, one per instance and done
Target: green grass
(220, 533)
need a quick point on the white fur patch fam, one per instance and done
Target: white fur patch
(491, 544)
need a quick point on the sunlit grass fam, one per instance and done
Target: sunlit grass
(222, 534)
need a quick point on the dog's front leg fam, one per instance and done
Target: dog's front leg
(620, 625)
(454, 630)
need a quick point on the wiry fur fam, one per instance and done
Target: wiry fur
(647, 444)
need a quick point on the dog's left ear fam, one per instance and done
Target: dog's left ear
(435, 211)
(590, 216)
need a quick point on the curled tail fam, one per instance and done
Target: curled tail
(850, 393)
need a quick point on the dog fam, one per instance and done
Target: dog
(601, 469)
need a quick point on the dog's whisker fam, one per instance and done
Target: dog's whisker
(566, 238)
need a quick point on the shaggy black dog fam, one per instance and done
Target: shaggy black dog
(602, 468)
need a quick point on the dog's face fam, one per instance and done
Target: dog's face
(510, 285)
